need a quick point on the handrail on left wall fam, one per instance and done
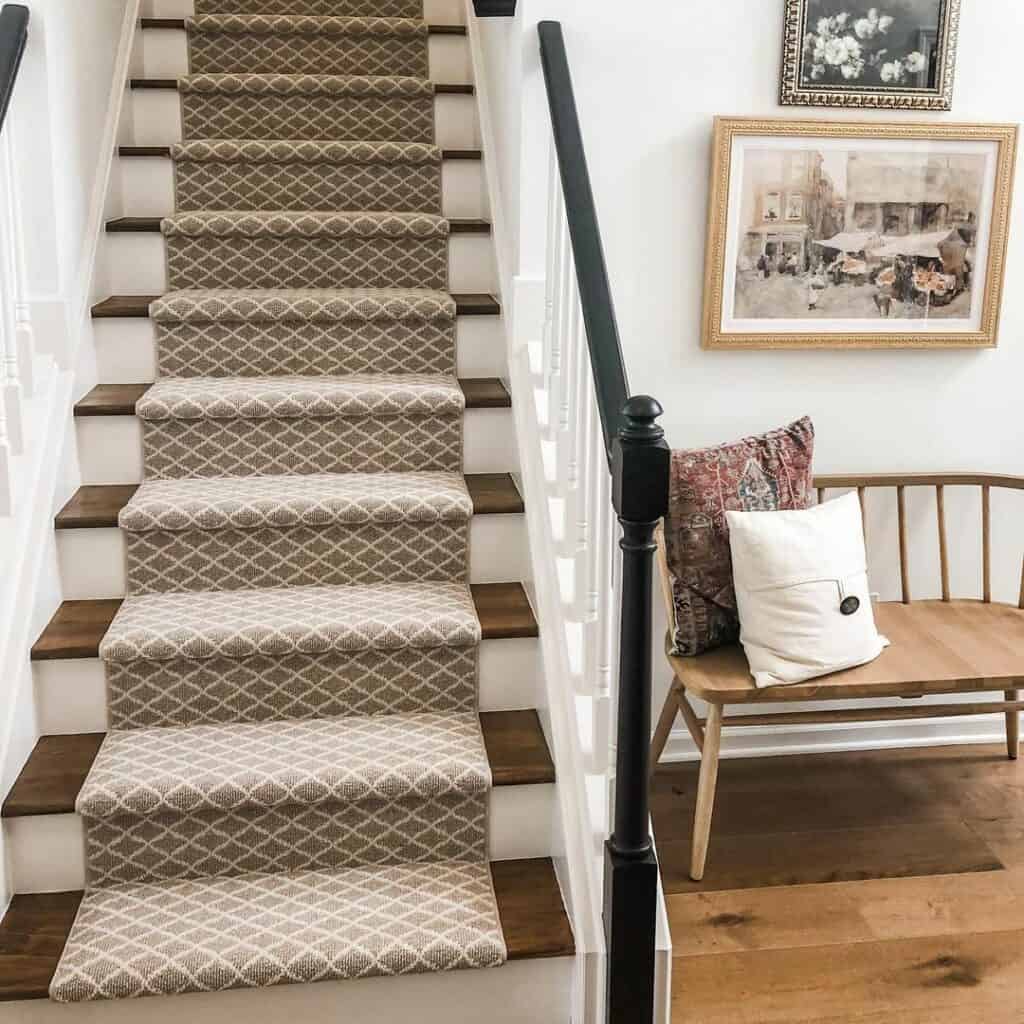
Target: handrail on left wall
(13, 39)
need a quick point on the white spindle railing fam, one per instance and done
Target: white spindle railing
(583, 530)
(17, 348)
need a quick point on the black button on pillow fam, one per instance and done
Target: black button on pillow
(850, 605)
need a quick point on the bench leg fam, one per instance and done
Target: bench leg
(1012, 727)
(706, 791)
(666, 720)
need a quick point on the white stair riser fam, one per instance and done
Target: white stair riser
(437, 12)
(126, 349)
(92, 561)
(165, 55)
(137, 263)
(71, 696)
(537, 991)
(45, 851)
(110, 447)
(156, 119)
(148, 187)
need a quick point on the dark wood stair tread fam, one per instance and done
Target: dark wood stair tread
(56, 769)
(171, 84)
(77, 627)
(33, 933)
(53, 775)
(179, 25)
(530, 906)
(119, 307)
(97, 506)
(151, 225)
(165, 151)
(36, 926)
(120, 399)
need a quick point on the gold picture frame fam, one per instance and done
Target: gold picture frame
(878, 296)
(906, 89)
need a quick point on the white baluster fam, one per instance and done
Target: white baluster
(24, 332)
(552, 247)
(564, 298)
(10, 383)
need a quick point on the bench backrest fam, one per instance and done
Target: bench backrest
(939, 481)
(862, 483)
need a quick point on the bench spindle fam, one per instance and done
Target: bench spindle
(940, 504)
(901, 507)
(986, 543)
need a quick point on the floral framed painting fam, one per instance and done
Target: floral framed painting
(890, 54)
(856, 234)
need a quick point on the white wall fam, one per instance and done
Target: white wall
(648, 83)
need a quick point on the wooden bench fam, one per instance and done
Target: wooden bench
(946, 646)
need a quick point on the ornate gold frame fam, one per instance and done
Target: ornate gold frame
(879, 97)
(727, 129)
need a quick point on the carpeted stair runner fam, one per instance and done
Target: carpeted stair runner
(235, 533)
(330, 107)
(221, 174)
(281, 929)
(224, 333)
(296, 652)
(300, 249)
(304, 45)
(295, 786)
(363, 423)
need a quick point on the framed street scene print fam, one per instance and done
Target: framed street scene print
(896, 54)
(856, 234)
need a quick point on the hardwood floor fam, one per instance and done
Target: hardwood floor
(860, 888)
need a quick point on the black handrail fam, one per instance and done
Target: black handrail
(588, 252)
(13, 37)
(639, 461)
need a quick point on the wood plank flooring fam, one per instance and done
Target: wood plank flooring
(884, 887)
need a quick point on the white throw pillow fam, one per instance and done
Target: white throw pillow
(802, 591)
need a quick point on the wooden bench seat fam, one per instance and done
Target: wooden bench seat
(944, 647)
(938, 647)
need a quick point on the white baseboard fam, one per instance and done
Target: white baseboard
(775, 741)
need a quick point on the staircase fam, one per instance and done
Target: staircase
(287, 704)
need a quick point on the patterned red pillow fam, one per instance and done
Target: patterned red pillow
(768, 472)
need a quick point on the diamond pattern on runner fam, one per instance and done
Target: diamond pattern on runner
(203, 398)
(239, 447)
(304, 332)
(250, 503)
(303, 44)
(228, 799)
(262, 688)
(298, 249)
(223, 174)
(295, 620)
(228, 534)
(324, 107)
(265, 929)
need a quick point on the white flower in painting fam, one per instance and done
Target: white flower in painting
(817, 72)
(836, 52)
(810, 42)
(864, 28)
(892, 72)
(884, 22)
(852, 69)
(842, 19)
(853, 48)
(915, 62)
(824, 27)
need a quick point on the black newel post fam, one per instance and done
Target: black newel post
(640, 474)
